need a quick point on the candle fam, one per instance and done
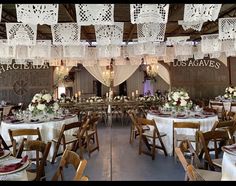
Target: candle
(132, 94)
(79, 93)
(136, 92)
(76, 95)
(107, 94)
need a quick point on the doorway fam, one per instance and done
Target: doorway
(123, 89)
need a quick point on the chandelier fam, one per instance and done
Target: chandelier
(108, 75)
(152, 70)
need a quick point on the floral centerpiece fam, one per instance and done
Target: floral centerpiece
(230, 93)
(94, 99)
(147, 98)
(178, 99)
(121, 98)
(43, 103)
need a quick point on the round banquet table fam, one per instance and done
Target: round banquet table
(165, 124)
(229, 166)
(48, 130)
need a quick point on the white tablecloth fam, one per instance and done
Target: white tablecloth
(165, 124)
(228, 167)
(49, 130)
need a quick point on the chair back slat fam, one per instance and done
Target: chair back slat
(191, 125)
(71, 126)
(25, 132)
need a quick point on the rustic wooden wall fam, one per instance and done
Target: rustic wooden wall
(20, 85)
(232, 67)
(201, 81)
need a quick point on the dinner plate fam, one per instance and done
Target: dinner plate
(6, 153)
(11, 161)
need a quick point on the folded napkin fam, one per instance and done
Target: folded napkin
(13, 166)
(180, 115)
(16, 121)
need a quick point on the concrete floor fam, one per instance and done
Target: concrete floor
(117, 160)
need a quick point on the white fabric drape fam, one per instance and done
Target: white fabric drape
(121, 73)
(96, 71)
(164, 73)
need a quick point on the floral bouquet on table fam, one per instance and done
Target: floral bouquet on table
(230, 93)
(43, 103)
(118, 98)
(179, 99)
(147, 98)
(94, 99)
(121, 98)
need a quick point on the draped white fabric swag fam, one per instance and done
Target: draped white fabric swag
(121, 73)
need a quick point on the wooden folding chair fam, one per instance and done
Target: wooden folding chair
(25, 133)
(134, 132)
(219, 108)
(35, 173)
(154, 135)
(229, 127)
(198, 174)
(92, 134)
(180, 137)
(70, 157)
(204, 139)
(65, 139)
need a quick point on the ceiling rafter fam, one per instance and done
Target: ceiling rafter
(133, 27)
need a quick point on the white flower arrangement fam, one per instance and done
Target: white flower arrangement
(43, 103)
(121, 98)
(230, 93)
(178, 99)
(94, 99)
(147, 98)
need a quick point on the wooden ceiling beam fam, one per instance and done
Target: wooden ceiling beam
(130, 34)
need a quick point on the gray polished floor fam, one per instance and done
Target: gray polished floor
(118, 160)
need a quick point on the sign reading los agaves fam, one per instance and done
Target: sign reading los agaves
(197, 63)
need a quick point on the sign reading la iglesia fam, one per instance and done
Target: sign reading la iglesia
(27, 66)
(212, 63)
